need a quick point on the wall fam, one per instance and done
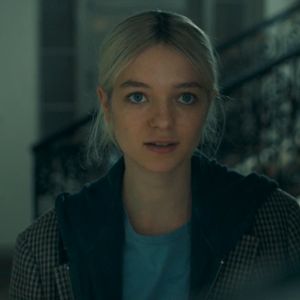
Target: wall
(273, 7)
(233, 17)
(202, 12)
(18, 114)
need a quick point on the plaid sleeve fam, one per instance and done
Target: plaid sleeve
(294, 234)
(25, 281)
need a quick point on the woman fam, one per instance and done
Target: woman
(164, 223)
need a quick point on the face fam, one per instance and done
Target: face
(157, 109)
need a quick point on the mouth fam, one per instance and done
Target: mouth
(162, 144)
(161, 147)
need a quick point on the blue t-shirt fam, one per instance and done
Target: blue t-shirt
(156, 267)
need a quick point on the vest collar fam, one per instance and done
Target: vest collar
(91, 224)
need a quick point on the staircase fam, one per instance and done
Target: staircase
(260, 72)
(260, 75)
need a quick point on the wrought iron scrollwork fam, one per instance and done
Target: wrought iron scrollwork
(263, 122)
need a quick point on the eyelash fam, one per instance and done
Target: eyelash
(128, 97)
(195, 98)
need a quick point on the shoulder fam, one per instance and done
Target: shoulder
(36, 254)
(45, 223)
(277, 224)
(41, 237)
(281, 208)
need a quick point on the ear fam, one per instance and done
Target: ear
(104, 102)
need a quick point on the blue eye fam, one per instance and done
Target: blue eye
(187, 98)
(136, 98)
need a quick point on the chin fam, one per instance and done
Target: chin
(163, 166)
(165, 163)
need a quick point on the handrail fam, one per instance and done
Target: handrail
(62, 133)
(257, 28)
(261, 70)
(226, 89)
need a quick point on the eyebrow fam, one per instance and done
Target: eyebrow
(133, 83)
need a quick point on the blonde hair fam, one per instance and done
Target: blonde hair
(126, 41)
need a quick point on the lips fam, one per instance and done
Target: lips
(161, 147)
(162, 143)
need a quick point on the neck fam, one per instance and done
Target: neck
(157, 203)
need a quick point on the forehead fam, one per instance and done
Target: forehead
(160, 64)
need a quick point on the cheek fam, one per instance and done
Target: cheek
(196, 122)
(125, 127)
(193, 128)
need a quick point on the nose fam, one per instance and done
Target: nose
(162, 116)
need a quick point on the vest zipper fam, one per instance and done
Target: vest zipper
(214, 280)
